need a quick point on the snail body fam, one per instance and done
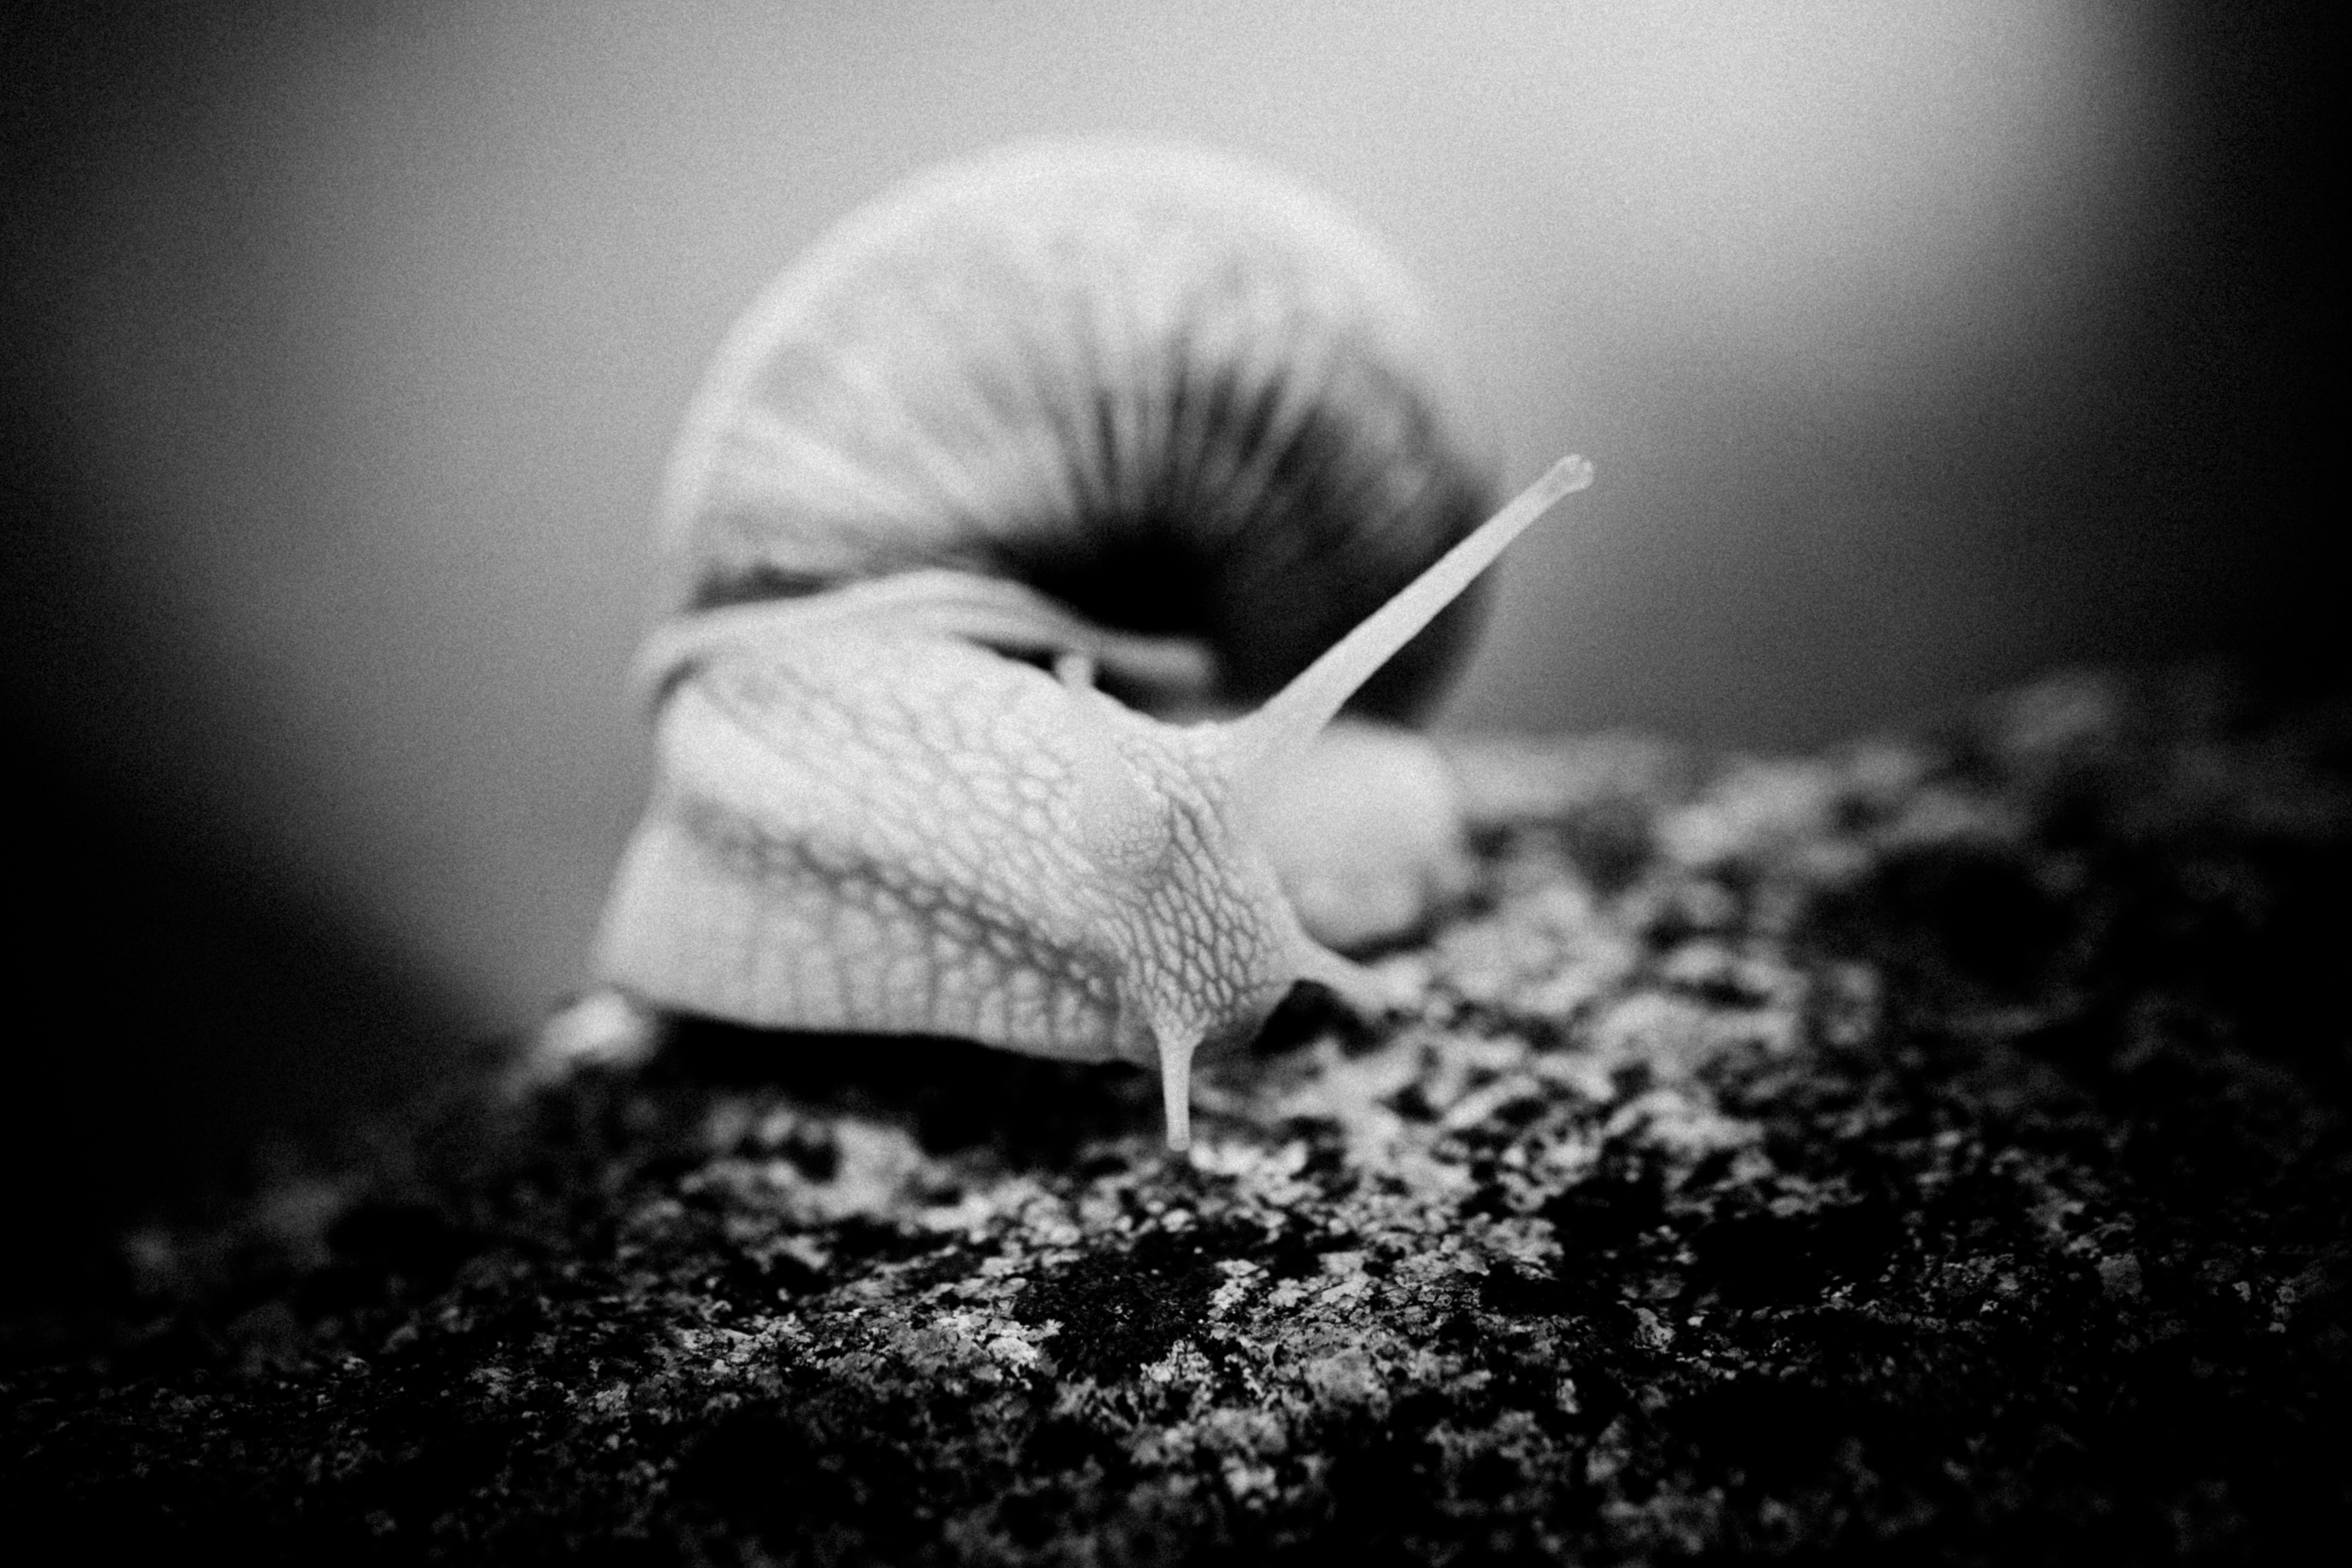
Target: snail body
(963, 534)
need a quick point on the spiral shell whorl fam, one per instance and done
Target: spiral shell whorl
(1172, 391)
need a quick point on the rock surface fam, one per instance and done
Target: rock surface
(1935, 1151)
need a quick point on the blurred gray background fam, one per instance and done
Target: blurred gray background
(1919, 349)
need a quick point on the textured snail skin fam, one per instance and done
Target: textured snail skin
(1073, 406)
(912, 834)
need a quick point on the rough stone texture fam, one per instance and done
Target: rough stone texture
(1933, 1151)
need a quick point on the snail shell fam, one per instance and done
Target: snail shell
(1171, 391)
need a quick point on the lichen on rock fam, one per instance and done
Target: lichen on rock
(1935, 1149)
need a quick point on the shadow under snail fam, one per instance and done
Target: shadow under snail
(1022, 544)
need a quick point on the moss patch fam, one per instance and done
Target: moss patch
(1934, 1149)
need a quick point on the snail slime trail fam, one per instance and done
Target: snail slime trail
(988, 509)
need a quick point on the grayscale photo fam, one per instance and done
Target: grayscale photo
(1212, 783)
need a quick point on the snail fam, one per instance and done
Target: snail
(1021, 541)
